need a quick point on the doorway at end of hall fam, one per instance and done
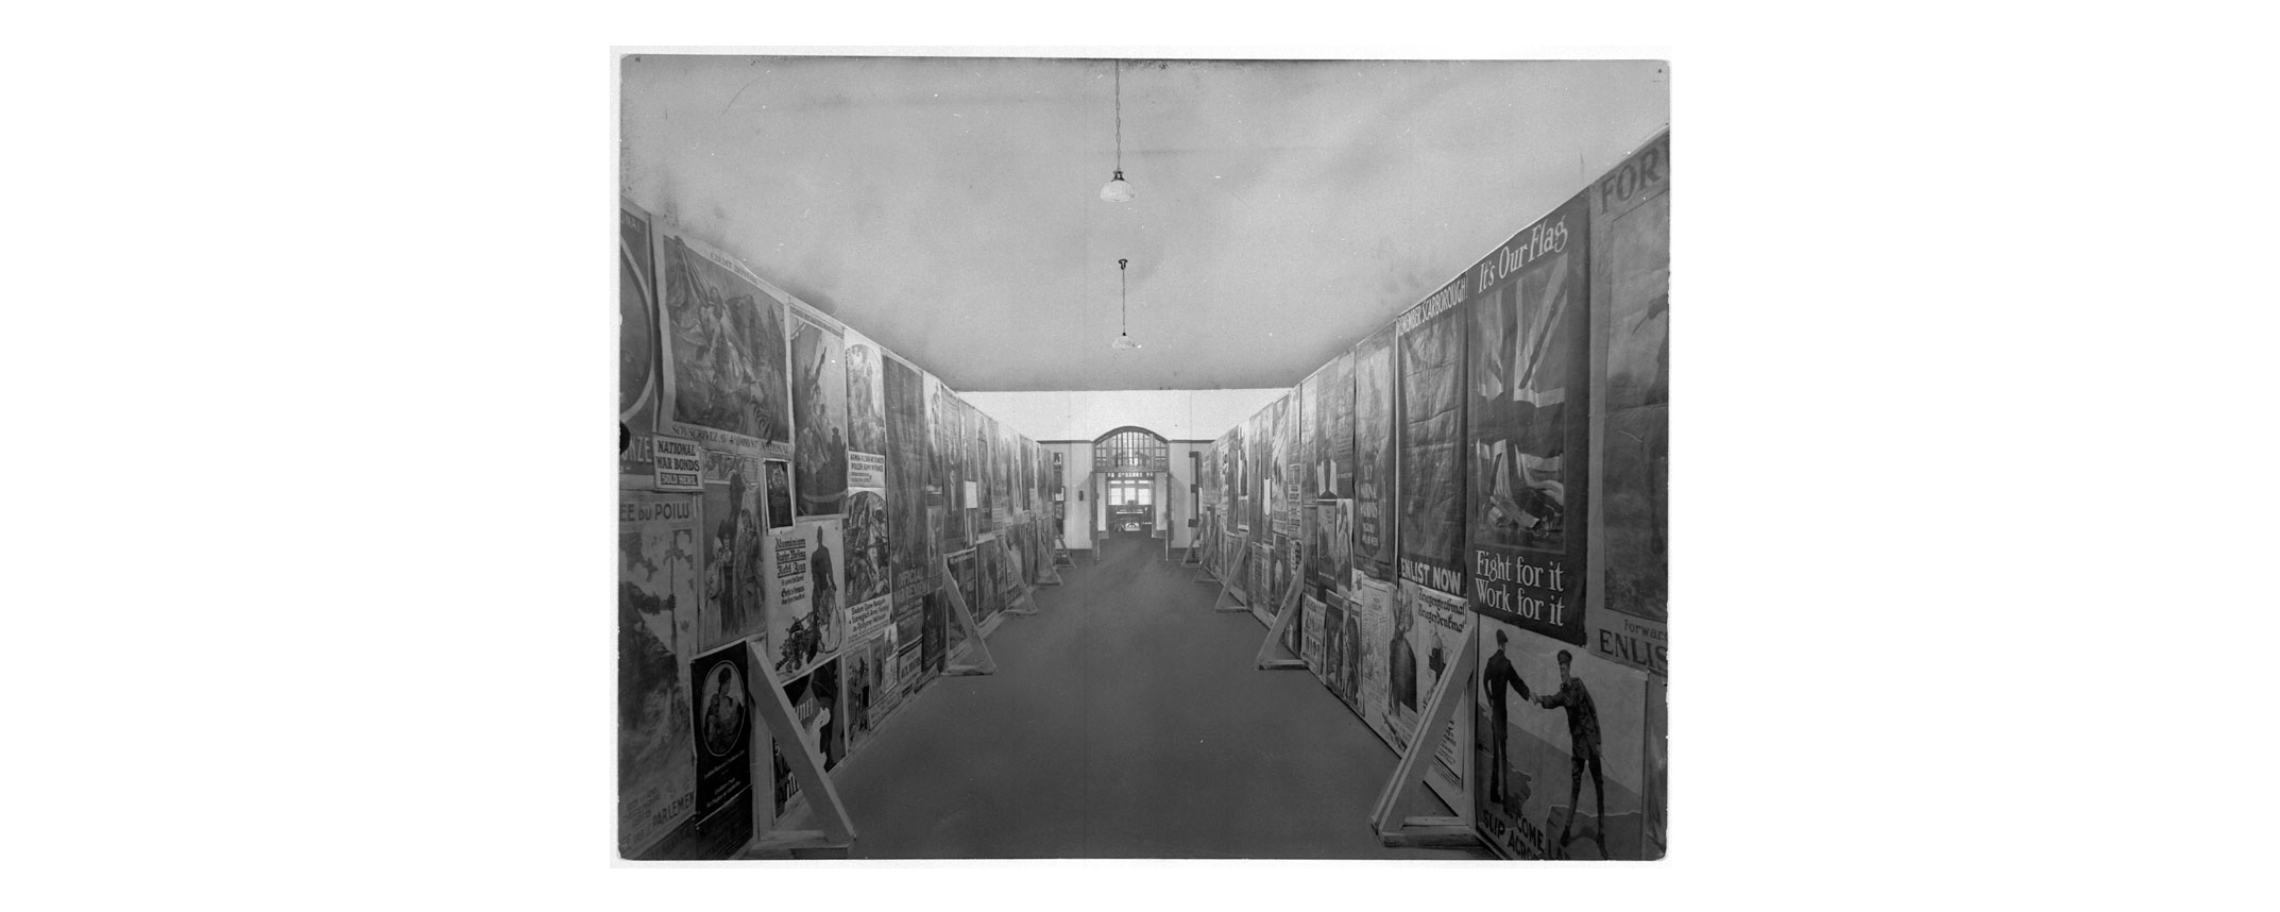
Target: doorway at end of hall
(1132, 505)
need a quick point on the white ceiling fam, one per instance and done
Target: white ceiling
(949, 207)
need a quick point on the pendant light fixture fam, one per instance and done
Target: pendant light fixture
(1116, 190)
(1123, 335)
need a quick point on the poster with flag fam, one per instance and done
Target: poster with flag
(1529, 424)
(1374, 456)
(1429, 430)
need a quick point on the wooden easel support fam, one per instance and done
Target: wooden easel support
(985, 664)
(1013, 559)
(807, 767)
(1227, 587)
(1421, 832)
(1289, 610)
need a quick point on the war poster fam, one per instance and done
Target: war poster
(819, 399)
(1429, 431)
(722, 722)
(658, 581)
(1561, 753)
(807, 619)
(1374, 456)
(722, 337)
(734, 601)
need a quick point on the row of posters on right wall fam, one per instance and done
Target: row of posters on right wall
(1494, 464)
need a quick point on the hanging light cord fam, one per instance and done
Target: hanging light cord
(1123, 306)
(1119, 117)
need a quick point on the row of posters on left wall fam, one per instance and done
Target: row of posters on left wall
(789, 490)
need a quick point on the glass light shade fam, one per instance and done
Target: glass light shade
(1116, 190)
(1124, 343)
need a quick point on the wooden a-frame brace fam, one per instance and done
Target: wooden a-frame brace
(1416, 832)
(1226, 586)
(962, 616)
(824, 806)
(1210, 543)
(1284, 613)
(1020, 573)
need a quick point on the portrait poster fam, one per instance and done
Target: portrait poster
(1529, 423)
(1562, 760)
(1429, 431)
(819, 399)
(1372, 609)
(866, 411)
(807, 620)
(639, 371)
(1633, 461)
(734, 601)
(1374, 457)
(779, 492)
(1332, 389)
(1342, 651)
(866, 565)
(723, 721)
(722, 337)
(1310, 639)
(1294, 497)
(658, 580)
(946, 481)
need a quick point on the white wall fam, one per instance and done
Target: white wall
(1086, 414)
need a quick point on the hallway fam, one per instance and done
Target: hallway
(1126, 720)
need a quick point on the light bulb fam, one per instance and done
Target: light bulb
(1124, 343)
(1117, 190)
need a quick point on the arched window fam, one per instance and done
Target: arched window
(1131, 449)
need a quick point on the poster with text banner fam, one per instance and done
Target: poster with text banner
(658, 579)
(1429, 427)
(722, 335)
(734, 598)
(723, 723)
(1342, 651)
(866, 410)
(946, 479)
(1632, 209)
(1528, 414)
(1332, 387)
(865, 534)
(807, 621)
(819, 400)
(639, 372)
(1436, 626)
(1560, 753)
(1374, 521)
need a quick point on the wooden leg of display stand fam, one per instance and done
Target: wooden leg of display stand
(1284, 615)
(984, 663)
(1417, 832)
(827, 811)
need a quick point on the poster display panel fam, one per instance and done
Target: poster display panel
(1429, 626)
(1633, 459)
(1529, 424)
(819, 400)
(639, 371)
(1429, 430)
(734, 602)
(722, 335)
(1374, 522)
(658, 580)
(807, 620)
(815, 699)
(1561, 749)
(722, 724)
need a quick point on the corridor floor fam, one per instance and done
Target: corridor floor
(1126, 720)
